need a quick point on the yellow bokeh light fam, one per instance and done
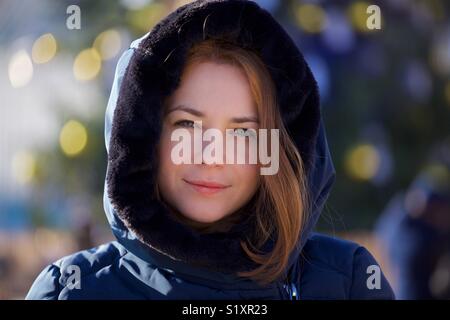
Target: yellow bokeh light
(357, 13)
(87, 64)
(73, 138)
(363, 162)
(44, 48)
(23, 167)
(20, 69)
(108, 44)
(311, 18)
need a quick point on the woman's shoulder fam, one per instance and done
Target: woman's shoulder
(334, 268)
(332, 251)
(68, 272)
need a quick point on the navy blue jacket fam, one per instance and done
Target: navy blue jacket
(156, 257)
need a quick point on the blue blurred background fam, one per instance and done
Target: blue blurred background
(385, 100)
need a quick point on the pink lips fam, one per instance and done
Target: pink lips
(206, 187)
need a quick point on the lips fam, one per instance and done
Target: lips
(206, 187)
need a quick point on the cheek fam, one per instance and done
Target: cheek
(167, 170)
(248, 178)
(165, 152)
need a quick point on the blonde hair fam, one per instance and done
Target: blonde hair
(281, 202)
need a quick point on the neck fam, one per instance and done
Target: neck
(222, 225)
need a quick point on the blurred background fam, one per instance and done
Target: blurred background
(385, 100)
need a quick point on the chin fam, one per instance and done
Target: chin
(204, 216)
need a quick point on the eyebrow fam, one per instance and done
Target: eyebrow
(200, 114)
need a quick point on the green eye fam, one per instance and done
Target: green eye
(244, 132)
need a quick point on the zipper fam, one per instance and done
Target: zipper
(289, 285)
(294, 292)
(291, 289)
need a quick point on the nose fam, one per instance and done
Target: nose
(211, 150)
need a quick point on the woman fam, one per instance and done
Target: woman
(190, 225)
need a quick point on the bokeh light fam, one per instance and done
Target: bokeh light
(339, 37)
(44, 48)
(108, 44)
(73, 138)
(20, 69)
(310, 17)
(357, 13)
(87, 65)
(417, 81)
(23, 166)
(362, 162)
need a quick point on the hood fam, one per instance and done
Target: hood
(148, 72)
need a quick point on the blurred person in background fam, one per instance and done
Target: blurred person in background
(415, 231)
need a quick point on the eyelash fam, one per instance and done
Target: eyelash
(182, 122)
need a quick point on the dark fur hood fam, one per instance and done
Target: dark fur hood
(148, 72)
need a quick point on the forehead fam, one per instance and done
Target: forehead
(215, 89)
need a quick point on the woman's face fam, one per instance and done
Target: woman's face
(219, 96)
